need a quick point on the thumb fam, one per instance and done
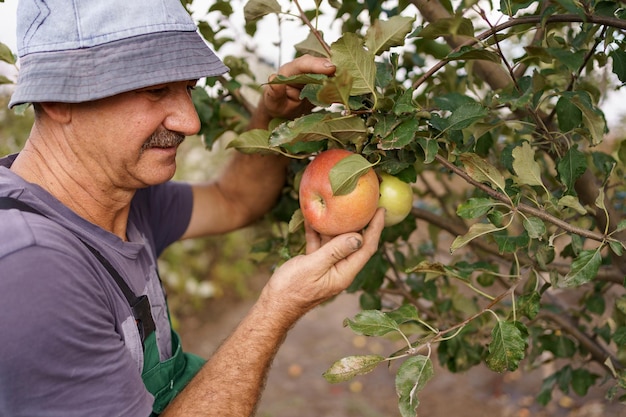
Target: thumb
(337, 249)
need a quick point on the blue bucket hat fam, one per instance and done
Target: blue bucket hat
(74, 51)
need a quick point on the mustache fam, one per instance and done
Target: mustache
(163, 139)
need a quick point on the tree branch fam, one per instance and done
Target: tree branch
(597, 352)
(524, 208)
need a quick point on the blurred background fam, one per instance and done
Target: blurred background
(212, 282)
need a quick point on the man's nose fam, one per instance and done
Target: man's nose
(183, 117)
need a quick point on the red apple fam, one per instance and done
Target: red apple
(329, 214)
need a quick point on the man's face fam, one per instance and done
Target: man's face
(130, 140)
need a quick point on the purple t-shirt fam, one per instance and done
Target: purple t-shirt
(70, 345)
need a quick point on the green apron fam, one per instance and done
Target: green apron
(164, 380)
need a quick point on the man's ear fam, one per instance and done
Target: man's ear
(59, 112)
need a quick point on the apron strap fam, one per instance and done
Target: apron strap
(140, 305)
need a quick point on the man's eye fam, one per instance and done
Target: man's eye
(157, 91)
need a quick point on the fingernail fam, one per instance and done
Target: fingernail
(355, 243)
(328, 64)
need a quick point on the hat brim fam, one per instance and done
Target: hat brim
(75, 76)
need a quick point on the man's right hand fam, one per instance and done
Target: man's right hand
(327, 269)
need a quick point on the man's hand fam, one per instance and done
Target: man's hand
(250, 185)
(231, 382)
(283, 100)
(327, 269)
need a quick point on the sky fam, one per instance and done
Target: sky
(7, 22)
(7, 30)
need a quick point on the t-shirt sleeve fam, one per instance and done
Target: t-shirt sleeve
(165, 209)
(60, 354)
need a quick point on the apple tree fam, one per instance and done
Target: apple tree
(513, 253)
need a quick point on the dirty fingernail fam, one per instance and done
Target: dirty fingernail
(355, 243)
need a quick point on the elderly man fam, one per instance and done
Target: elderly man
(88, 206)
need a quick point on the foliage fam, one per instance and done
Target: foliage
(513, 255)
(14, 127)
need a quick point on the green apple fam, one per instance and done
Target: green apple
(396, 196)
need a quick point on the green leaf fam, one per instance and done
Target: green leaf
(465, 115)
(372, 323)
(572, 6)
(600, 199)
(619, 63)
(582, 380)
(303, 129)
(452, 101)
(619, 337)
(351, 366)
(348, 129)
(604, 163)
(404, 314)
(430, 148)
(401, 136)
(448, 26)
(568, 115)
(593, 118)
(506, 349)
(411, 378)
(571, 167)
(311, 46)
(345, 175)
(527, 169)
(621, 151)
(474, 207)
(529, 304)
(256, 9)
(481, 171)
(6, 55)
(475, 230)
(572, 60)
(431, 269)
(617, 247)
(296, 221)
(467, 53)
(349, 54)
(299, 79)
(573, 203)
(252, 141)
(559, 345)
(384, 34)
(584, 269)
(224, 7)
(404, 104)
(535, 227)
(461, 352)
(510, 244)
(336, 89)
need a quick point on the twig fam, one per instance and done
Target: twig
(605, 273)
(598, 353)
(526, 20)
(521, 206)
(315, 32)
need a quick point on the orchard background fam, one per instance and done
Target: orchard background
(492, 111)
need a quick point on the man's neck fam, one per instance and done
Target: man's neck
(77, 188)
